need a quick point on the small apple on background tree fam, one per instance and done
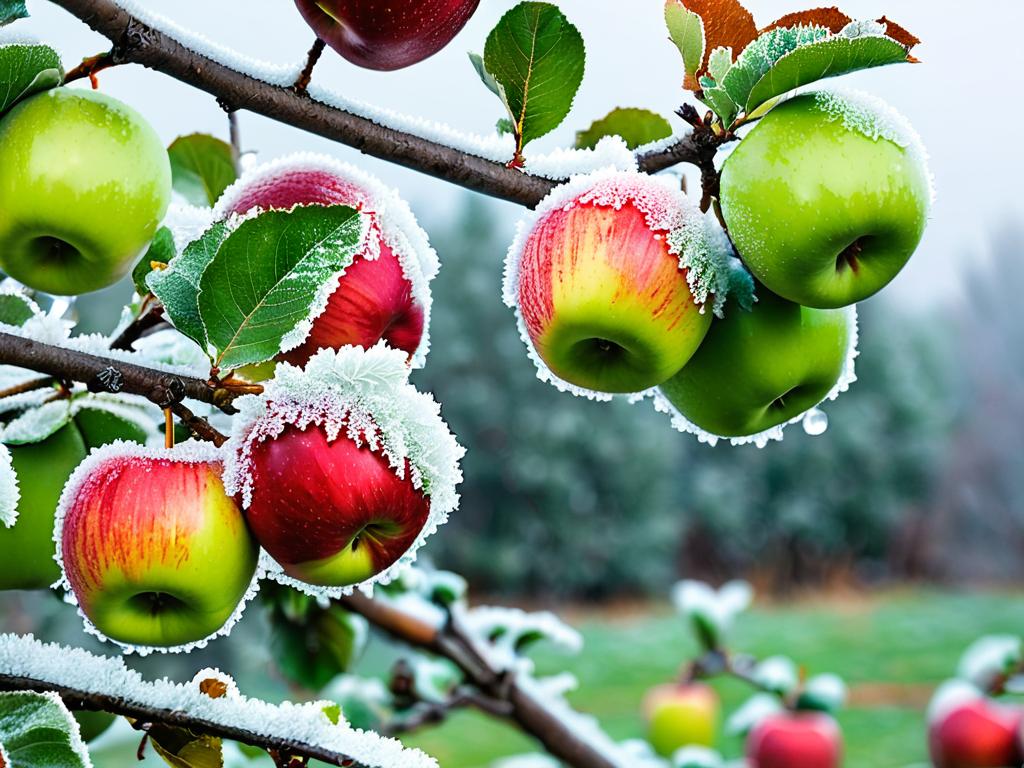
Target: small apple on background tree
(386, 36)
(681, 715)
(68, 158)
(791, 739)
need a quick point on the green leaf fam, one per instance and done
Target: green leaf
(15, 309)
(37, 731)
(161, 250)
(486, 77)
(719, 63)
(636, 126)
(27, 69)
(202, 167)
(537, 57)
(686, 30)
(177, 287)
(314, 648)
(266, 276)
(37, 424)
(12, 10)
(181, 748)
(504, 125)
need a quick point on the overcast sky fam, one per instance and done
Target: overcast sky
(964, 98)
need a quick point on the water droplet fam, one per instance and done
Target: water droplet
(815, 422)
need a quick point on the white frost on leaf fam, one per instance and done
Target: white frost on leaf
(37, 424)
(10, 494)
(665, 207)
(391, 222)
(715, 608)
(952, 695)
(828, 689)
(187, 223)
(758, 707)
(846, 379)
(191, 452)
(306, 723)
(989, 658)
(778, 674)
(360, 395)
(507, 628)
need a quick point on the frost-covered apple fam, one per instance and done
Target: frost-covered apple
(602, 297)
(384, 293)
(827, 198)
(760, 369)
(343, 468)
(153, 549)
(791, 739)
(84, 183)
(680, 716)
(978, 733)
(386, 35)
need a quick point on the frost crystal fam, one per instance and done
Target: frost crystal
(506, 628)
(364, 396)
(187, 223)
(392, 221)
(192, 452)
(666, 209)
(79, 671)
(989, 658)
(848, 376)
(10, 494)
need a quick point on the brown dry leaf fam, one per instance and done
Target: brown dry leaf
(726, 24)
(899, 34)
(213, 687)
(832, 18)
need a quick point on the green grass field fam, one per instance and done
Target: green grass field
(892, 650)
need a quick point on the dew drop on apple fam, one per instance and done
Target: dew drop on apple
(815, 422)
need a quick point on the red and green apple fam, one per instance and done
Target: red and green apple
(792, 739)
(681, 715)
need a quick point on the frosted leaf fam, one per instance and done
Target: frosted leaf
(170, 347)
(510, 629)
(990, 658)
(713, 269)
(134, 410)
(392, 221)
(778, 674)
(78, 671)
(846, 378)
(697, 757)
(191, 452)
(434, 679)
(663, 204)
(10, 494)
(952, 695)
(866, 28)
(364, 396)
(187, 223)
(757, 708)
(714, 609)
(564, 162)
(827, 690)
(37, 424)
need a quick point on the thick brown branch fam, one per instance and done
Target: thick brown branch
(78, 700)
(498, 687)
(137, 43)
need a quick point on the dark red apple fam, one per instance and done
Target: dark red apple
(977, 734)
(387, 34)
(331, 513)
(375, 298)
(796, 740)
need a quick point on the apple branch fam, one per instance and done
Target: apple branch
(499, 691)
(135, 42)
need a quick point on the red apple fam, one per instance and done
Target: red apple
(385, 34)
(155, 551)
(383, 294)
(796, 740)
(976, 734)
(602, 298)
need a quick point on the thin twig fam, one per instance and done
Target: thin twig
(28, 386)
(236, 140)
(306, 76)
(90, 67)
(198, 426)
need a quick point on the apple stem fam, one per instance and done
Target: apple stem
(301, 86)
(90, 67)
(168, 428)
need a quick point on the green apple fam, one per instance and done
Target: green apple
(84, 183)
(826, 199)
(681, 716)
(26, 549)
(758, 369)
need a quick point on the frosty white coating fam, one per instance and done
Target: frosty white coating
(848, 376)
(665, 208)
(391, 220)
(988, 658)
(190, 452)
(79, 670)
(37, 423)
(10, 493)
(187, 223)
(952, 695)
(360, 395)
(510, 624)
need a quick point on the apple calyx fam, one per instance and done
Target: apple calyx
(610, 278)
(343, 469)
(385, 292)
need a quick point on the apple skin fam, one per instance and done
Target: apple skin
(374, 299)
(604, 302)
(822, 214)
(796, 740)
(84, 183)
(383, 34)
(26, 549)
(681, 716)
(331, 513)
(156, 552)
(977, 734)
(762, 368)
